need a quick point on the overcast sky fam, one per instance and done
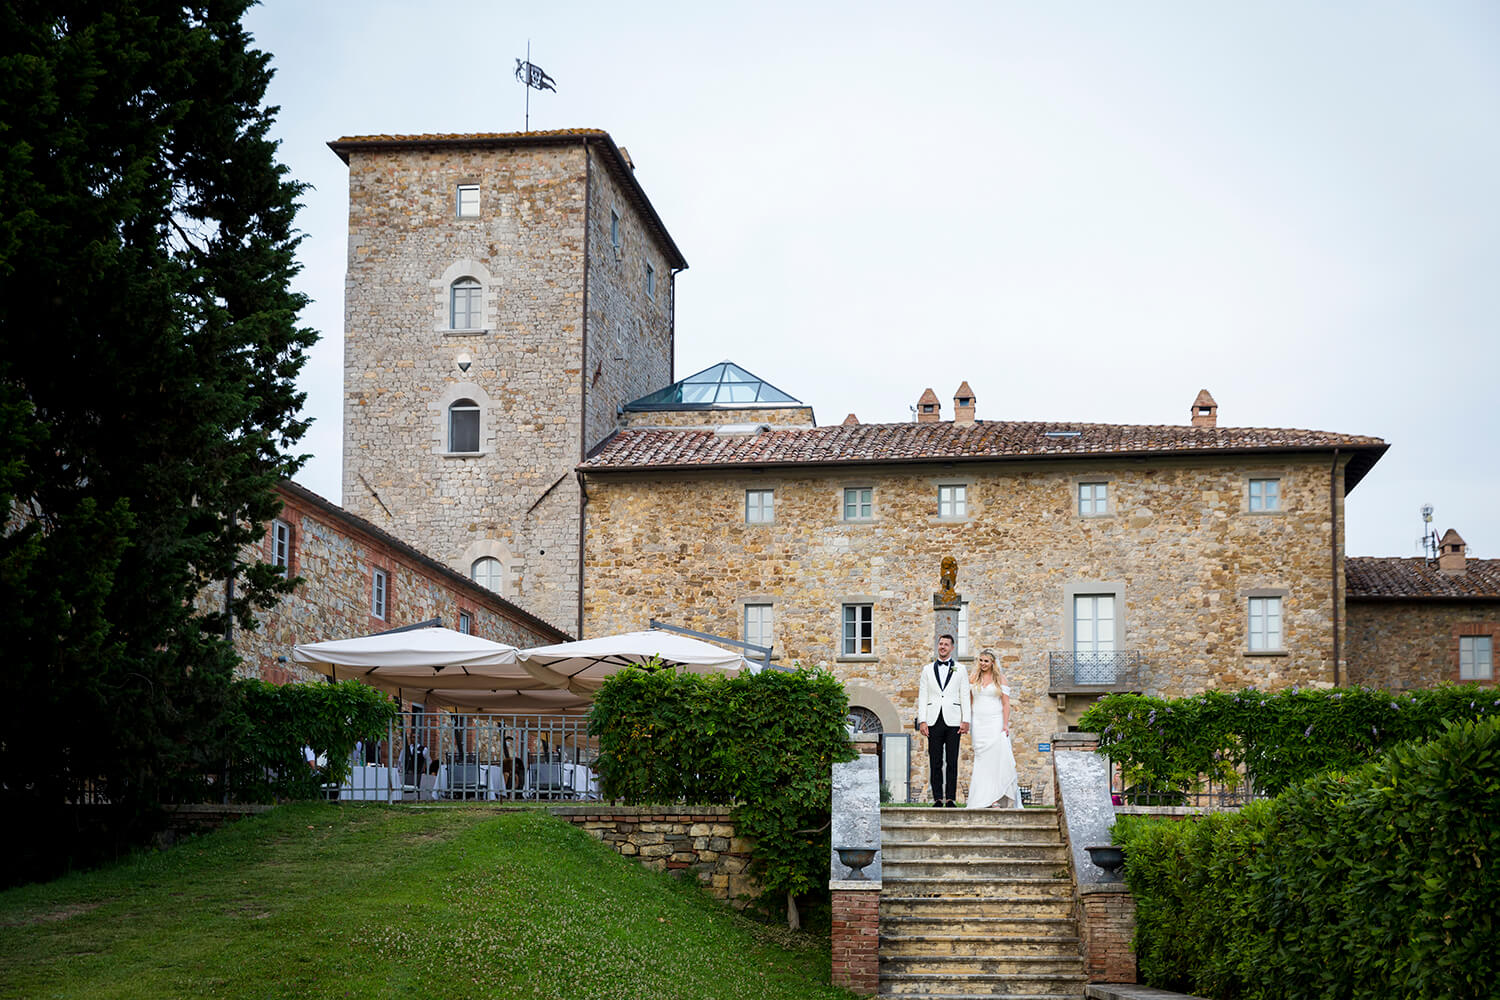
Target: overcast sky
(1088, 210)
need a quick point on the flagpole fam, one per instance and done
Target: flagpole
(528, 85)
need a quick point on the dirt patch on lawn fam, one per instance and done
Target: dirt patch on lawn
(52, 916)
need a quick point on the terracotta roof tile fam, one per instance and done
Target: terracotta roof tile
(984, 440)
(1395, 577)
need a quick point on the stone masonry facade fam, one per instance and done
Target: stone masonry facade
(1399, 645)
(1177, 548)
(559, 240)
(700, 841)
(336, 555)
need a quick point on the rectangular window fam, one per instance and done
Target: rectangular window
(859, 630)
(466, 623)
(953, 501)
(758, 624)
(650, 282)
(281, 546)
(1265, 494)
(463, 427)
(468, 201)
(465, 304)
(961, 645)
(760, 506)
(1094, 658)
(379, 592)
(1093, 499)
(1265, 624)
(859, 503)
(1475, 658)
(614, 228)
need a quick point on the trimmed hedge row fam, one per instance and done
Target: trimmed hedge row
(1381, 882)
(1279, 739)
(763, 743)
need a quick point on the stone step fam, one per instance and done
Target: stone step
(982, 817)
(978, 850)
(974, 833)
(977, 886)
(992, 964)
(983, 984)
(961, 939)
(960, 871)
(1022, 925)
(954, 909)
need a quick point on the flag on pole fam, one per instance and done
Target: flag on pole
(533, 76)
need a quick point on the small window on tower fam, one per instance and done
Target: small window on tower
(468, 201)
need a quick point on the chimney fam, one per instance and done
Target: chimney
(929, 410)
(963, 405)
(1451, 553)
(625, 155)
(851, 421)
(1205, 410)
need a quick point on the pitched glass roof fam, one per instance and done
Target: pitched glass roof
(725, 384)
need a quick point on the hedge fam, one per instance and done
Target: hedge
(1381, 882)
(761, 743)
(1278, 739)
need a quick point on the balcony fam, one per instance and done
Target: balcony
(1094, 673)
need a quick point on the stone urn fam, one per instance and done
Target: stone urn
(1108, 857)
(855, 859)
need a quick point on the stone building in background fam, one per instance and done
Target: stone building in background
(1092, 557)
(505, 294)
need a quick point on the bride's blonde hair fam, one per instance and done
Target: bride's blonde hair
(994, 667)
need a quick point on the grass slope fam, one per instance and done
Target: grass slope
(375, 901)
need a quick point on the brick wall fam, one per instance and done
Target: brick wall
(1178, 541)
(701, 843)
(856, 939)
(1106, 924)
(1397, 644)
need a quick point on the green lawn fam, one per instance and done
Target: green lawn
(379, 901)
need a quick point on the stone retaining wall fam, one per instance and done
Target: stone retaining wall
(701, 842)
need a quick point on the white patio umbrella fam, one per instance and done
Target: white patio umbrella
(500, 701)
(420, 659)
(582, 667)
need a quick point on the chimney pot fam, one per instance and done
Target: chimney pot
(851, 421)
(929, 410)
(1452, 553)
(963, 405)
(1205, 411)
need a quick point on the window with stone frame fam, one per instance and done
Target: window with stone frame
(859, 503)
(468, 201)
(488, 573)
(759, 623)
(463, 427)
(953, 500)
(466, 623)
(380, 594)
(963, 646)
(859, 630)
(1093, 499)
(1264, 496)
(281, 546)
(1265, 624)
(1476, 658)
(650, 281)
(760, 506)
(465, 304)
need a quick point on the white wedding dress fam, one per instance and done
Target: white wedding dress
(994, 774)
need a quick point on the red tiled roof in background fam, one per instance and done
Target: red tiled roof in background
(639, 449)
(623, 170)
(1397, 578)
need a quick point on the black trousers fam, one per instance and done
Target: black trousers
(943, 739)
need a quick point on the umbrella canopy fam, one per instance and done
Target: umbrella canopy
(420, 659)
(581, 667)
(499, 701)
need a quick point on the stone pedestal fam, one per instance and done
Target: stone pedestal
(1106, 924)
(856, 936)
(855, 814)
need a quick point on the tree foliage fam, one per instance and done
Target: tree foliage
(147, 404)
(1377, 882)
(763, 743)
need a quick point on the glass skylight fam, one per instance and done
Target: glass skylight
(725, 384)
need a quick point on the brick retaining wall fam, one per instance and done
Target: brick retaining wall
(701, 841)
(1106, 925)
(856, 937)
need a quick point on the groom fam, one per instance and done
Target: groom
(943, 714)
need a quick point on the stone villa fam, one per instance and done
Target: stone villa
(512, 413)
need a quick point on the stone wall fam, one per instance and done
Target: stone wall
(335, 555)
(1106, 925)
(776, 416)
(556, 299)
(701, 842)
(1177, 545)
(1397, 645)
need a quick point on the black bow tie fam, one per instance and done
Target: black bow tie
(945, 663)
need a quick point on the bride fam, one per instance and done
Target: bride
(994, 779)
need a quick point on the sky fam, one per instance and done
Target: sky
(1087, 210)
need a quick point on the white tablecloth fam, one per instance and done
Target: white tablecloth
(567, 778)
(369, 783)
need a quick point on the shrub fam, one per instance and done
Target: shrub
(1380, 882)
(1279, 739)
(762, 743)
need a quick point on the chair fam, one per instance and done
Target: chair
(463, 779)
(512, 769)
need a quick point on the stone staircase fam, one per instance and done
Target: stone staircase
(977, 903)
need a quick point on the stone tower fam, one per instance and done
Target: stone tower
(505, 294)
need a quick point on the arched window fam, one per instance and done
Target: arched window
(465, 304)
(463, 426)
(486, 573)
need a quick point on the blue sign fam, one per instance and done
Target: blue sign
(1044, 747)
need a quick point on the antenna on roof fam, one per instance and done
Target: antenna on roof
(533, 77)
(1429, 539)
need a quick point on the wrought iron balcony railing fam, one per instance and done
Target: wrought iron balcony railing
(1082, 673)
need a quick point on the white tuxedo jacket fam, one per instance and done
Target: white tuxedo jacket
(951, 702)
